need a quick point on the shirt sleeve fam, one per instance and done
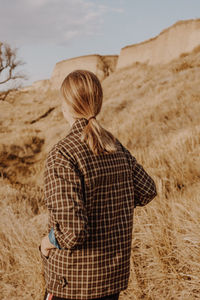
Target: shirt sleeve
(144, 185)
(64, 198)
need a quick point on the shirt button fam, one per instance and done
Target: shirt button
(63, 281)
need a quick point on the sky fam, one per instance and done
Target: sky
(48, 31)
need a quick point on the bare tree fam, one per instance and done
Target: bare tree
(8, 65)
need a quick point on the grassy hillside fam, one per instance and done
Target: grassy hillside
(154, 111)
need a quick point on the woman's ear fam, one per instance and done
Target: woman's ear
(66, 113)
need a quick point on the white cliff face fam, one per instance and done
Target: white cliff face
(102, 66)
(182, 37)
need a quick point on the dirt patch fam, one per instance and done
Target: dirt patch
(43, 116)
(18, 162)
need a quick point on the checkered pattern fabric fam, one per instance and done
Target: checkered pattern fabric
(91, 200)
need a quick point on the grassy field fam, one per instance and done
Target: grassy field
(155, 112)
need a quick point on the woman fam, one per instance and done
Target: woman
(91, 185)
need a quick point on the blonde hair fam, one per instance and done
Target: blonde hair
(83, 93)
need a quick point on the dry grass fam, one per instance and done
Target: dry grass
(154, 111)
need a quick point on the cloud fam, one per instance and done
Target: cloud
(50, 21)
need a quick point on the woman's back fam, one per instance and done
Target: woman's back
(91, 200)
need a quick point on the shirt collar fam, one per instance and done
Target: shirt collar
(78, 125)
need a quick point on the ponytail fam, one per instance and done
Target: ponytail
(83, 92)
(98, 139)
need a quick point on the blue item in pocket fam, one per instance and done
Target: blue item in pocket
(53, 239)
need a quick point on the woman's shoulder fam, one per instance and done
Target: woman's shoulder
(61, 151)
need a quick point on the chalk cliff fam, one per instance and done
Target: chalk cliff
(101, 65)
(179, 38)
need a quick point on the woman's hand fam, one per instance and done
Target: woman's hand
(46, 245)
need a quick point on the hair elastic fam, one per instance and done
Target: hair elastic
(92, 117)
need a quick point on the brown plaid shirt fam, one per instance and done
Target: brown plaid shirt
(91, 200)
